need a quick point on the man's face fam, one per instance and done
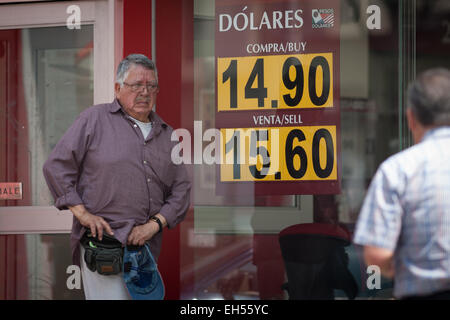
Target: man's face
(138, 101)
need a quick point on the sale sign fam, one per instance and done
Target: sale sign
(277, 96)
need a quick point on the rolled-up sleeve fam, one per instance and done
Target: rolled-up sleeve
(177, 202)
(379, 222)
(62, 168)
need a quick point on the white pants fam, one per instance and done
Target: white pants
(101, 287)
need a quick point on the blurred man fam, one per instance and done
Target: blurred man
(404, 224)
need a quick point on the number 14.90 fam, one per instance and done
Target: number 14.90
(292, 78)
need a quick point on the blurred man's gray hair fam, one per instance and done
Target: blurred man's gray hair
(131, 60)
(429, 97)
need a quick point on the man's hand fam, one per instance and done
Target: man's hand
(95, 223)
(140, 234)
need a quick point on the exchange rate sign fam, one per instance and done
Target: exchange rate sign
(277, 96)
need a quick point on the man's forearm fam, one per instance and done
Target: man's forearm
(383, 258)
(78, 210)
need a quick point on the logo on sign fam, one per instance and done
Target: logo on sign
(322, 18)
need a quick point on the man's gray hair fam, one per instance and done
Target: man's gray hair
(429, 97)
(130, 60)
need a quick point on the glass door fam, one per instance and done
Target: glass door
(52, 82)
(48, 76)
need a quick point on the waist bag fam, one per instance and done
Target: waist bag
(105, 257)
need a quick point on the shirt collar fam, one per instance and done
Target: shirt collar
(438, 132)
(115, 106)
(158, 123)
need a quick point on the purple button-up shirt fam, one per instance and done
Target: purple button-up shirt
(104, 162)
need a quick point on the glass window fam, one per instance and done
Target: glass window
(238, 246)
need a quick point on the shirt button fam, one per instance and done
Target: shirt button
(135, 125)
(148, 180)
(145, 162)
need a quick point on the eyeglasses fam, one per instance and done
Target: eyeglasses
(136, 87)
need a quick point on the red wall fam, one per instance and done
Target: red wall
(137, 27)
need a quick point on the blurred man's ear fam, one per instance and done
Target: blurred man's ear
(410, 117)
(417, 129)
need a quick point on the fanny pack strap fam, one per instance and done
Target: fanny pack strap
(108, 242)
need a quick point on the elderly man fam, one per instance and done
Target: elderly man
(113, 170)
(404, 223)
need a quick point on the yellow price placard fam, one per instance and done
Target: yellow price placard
(277, 81)
(279, 154)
